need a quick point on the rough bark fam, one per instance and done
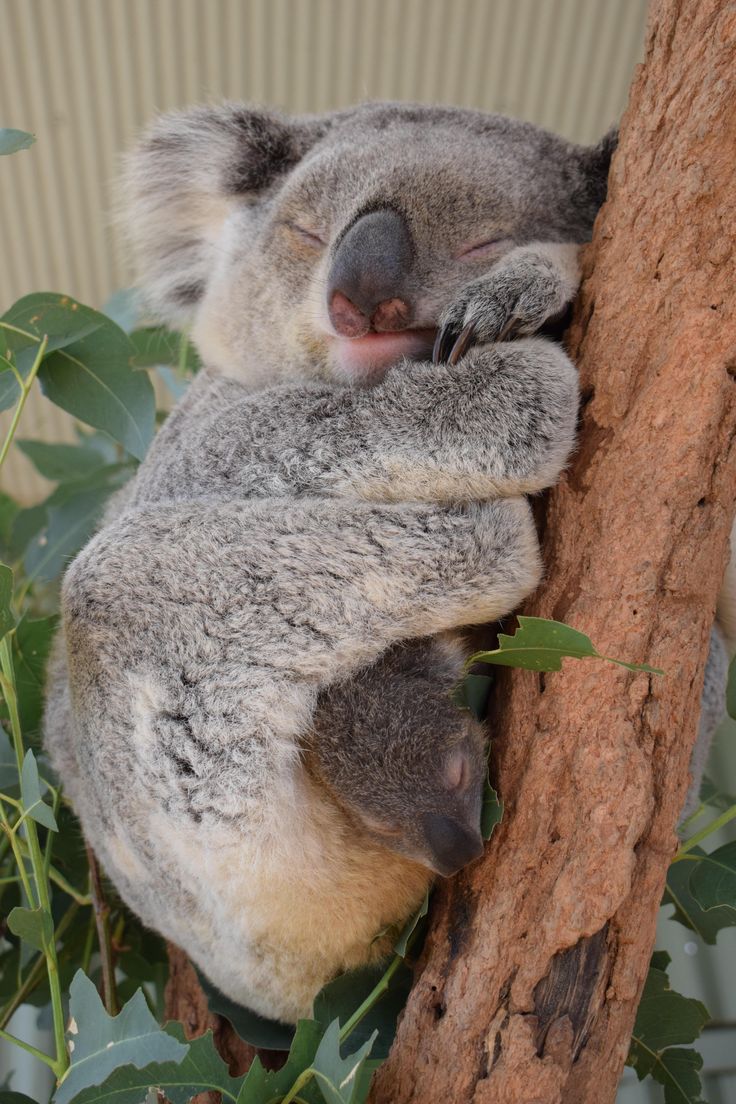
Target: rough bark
(537, 955)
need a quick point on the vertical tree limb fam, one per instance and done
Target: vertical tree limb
(537, 954)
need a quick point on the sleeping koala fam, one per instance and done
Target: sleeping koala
(249, 703)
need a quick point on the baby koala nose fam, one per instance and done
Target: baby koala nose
(452, 845)
(367, 279)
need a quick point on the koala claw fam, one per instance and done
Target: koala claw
(450, 345)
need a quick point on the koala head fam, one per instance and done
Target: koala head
(411, 778)
(327, 247)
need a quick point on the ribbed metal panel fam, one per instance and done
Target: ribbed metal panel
(85, 75)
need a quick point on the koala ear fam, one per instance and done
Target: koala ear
(181, 181)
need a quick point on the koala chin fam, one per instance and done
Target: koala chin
(249, 703)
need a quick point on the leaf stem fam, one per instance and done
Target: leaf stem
(709, 829)
(34, 974)
(102, 921)
(24, 393)
(42, 1057)
(378, 990)
(36, 856)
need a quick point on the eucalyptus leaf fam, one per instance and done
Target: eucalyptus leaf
(401, 946)
(8, 764)
(68, 527)
(156, 345)
(200, 1070)
(32, 642)
(664, 1020)
(337, 1076)
(713, 878)
(30, 788)
(7, 618)
(9, 510)
(262, 1086)
(704, 922)
(7, 1096)
(472, 693)
(100, 1044)
(252, 1028)
(491, 812)
(13, 141)
(60, 462)
(340, 998)
(541, 645)
(33, 926)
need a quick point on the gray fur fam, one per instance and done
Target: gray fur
(268, 770)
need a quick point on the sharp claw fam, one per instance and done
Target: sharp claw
(443, 344)
(463, 343)
(507, 330)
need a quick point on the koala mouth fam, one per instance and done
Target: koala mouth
(365, 360)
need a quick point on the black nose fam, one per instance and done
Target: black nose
(367, 283)
(452, 844)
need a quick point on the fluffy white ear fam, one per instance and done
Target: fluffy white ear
(180, 182)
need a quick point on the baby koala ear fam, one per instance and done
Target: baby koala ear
(182, 180)
(595, 163)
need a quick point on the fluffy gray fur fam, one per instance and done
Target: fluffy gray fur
(248, 704)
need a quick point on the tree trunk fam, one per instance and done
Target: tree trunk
(537, 955)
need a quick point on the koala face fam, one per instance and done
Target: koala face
(411, 778)
(326, 248)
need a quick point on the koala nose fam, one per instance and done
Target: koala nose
(452, 844)
(366, 286)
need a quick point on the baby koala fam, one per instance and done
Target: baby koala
(250, 700)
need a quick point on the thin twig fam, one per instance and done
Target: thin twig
(102, 921)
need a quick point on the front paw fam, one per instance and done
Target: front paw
(523, 291)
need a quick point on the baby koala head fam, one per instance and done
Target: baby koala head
(327, 247)
(409, 778)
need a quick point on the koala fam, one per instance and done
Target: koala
(249, 701)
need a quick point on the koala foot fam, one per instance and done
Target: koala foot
(530, 286)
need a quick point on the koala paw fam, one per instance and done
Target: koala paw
(521, 292)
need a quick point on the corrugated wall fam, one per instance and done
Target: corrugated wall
(85, 75)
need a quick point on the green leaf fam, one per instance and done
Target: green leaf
(102, 1043)
(711, 795)
(87, 370)
(7, 619)
(540, 645)
(201, 1070)
(9, 1097)
(12, 141)
(252, 1028)
(491, 811)
(677, 1070)
(731, 689)
(665, 1019)
(688, 912)
(8, 765)
(402, 943)
(9, 510)
(263, 1086)
(33, 926)
(30, 787)
(472, 693)
(72, 513)
(60, 462)
(155, 346)
(32, 642)
(26, 524)
(337, 1076)
(713, 878)
(341, 996)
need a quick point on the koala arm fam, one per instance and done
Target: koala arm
(500, 422)
(205, 630)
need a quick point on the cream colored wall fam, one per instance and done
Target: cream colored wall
(84, 75)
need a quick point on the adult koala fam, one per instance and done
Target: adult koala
(269, 772)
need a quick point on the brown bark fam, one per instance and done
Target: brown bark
(537, 955)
